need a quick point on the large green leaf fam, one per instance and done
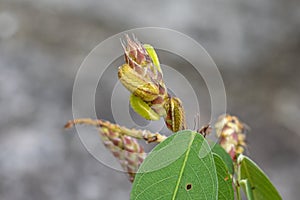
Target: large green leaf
(216, 148)
(181, 167)
(225, 187)
(255, 181)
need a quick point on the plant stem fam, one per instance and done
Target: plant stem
(138, 134)
(236, 181)
(238, 191)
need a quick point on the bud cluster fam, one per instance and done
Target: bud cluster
(231, 133)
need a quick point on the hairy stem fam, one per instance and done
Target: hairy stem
(135, 133)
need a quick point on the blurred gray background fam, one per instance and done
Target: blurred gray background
(255, 44)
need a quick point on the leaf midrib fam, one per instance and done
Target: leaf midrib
(183, 165)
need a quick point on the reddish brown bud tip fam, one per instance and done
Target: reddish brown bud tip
(70, 124)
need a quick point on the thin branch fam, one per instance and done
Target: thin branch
(135, 133)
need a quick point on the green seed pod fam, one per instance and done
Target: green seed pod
(175, 118)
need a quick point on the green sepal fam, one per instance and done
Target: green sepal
(150, 50)
(142, 108)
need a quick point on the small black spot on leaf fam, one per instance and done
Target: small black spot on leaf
(188, 186)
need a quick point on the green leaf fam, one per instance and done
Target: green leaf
(216, 148)
(225, 187)
(181, 167)
(257, 180)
